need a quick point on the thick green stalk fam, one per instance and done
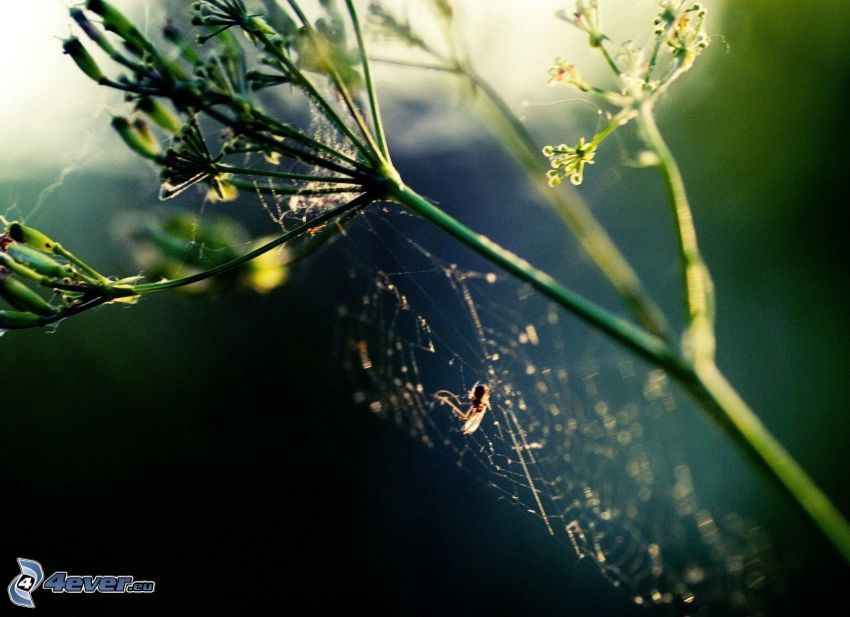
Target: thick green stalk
(699, 339)
(711, 387)
(635, 338)
(737, 417)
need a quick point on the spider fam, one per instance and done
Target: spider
(479, 397)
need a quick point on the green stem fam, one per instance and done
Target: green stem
(710, 386)
(356, 203)
(635, 338)
(697, 283)
(284, 175)
(85, 269)
(609, 59)
(294, 190)
(288, 131)
(308, 87)
(616, 122)
(276, 146)
(427, 66)
(771, 456)
(590, 234)
(653, 60)
(370, 86)
(341, 88)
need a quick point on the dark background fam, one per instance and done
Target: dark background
(209, 444)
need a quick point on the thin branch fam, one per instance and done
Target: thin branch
(370, 86)
(357, 203)
(697, 282)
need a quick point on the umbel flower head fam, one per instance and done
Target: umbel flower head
(188, 161)
(586, 18)
(569, 161)
(687, 36)
(565, 73)
(643, 73)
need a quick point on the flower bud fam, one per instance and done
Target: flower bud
(179, 40)
(159, 113)
(115, 21)
(83, 59)
(23, 298)
(12, 320)
(36, 260)
(137, 138)
(34, 238)
(79, 16)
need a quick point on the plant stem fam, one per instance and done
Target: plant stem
(370, 86)
(341, 87)
(590, 234)
(635, 338)
(356, 203)
(697, 283)
(310, 90)
(609, 59)
(293, 190)
(276, 146)
(624, 116)
(714, 389)
(285, 175)
(710, 386)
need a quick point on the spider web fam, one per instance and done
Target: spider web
(582, 436)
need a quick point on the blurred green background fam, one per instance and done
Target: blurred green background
(212, 441)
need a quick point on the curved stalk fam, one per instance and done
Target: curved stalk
(356, 203)
(739, 420)
(699, 288)
(370, 86)
(635, 338)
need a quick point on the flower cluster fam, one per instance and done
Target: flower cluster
(565, 73)
(643, 73)
(189, 161)
(190, 88)
(687, 36)
(569, 161)
(586, 18)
